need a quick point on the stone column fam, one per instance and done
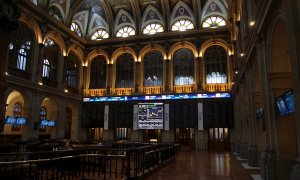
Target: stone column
(167, 75)
(3, 69)
(109, 78)
(269, 157)
(39, 68)
(27, 129)
(198, 74)
(293, 21)
(137, 77)
(252, 158)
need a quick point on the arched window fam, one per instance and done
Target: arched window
(124, 71)
(71, 69)
(183, 67)
(50, 62)
(153, 28)
(35, 2)
(22, 57)
(215, 59)
(182, 25)
(46, 69)
(43, 119)
(153, 69)
(213, 22)
(20, 51)
(125, 31)
(17, 111)
(75, 28)
(100, 34)
(98, 73)
(54, 12)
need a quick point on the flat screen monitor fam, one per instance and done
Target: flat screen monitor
(281, 106)
(150, 115)
(21, 121)
(10, 120)
(289, 101)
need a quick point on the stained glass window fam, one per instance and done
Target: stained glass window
(100, 34)
(153, 28)
(125, 31)
(183, 67)
(153, 69)
(75, 28)
(213, 22)
(182, 25)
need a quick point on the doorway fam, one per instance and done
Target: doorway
(218, 139)
(184, 136)
(152, 135)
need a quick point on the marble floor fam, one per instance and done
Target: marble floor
(194, 165)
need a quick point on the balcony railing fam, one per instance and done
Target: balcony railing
(184, 88)
(18, 73)
(49, 82)
(152, 90)
(123, 91)
(216, 87)
(94, 92)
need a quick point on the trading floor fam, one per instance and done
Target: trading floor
(192, 165)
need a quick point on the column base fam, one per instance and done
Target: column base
(295, 175)
(252, 157)
(244, 150)
(269, 165)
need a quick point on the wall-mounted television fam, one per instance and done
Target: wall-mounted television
(150, 115)
(285, 103)
(289, 101)
(10, 120)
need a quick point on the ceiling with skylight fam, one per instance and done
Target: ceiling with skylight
(103, 19)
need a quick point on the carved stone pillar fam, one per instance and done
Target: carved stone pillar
(198, 70)
(109, 78)
(167, 75)
(137, 77)
(3, 69)
(39, 70)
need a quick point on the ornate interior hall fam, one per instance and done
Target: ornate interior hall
(209, 86)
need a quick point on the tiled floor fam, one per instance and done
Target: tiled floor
(192, 165)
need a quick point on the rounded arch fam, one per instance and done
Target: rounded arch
(158, 19)
(95, 53)
(77, 50)
(57, 39)
(212, 42)
(278, 64)
(55, 5)
(123, 50)
(32, 24)
(175, 17)
(18, 91)
(181, 45)
(149, 48)
(130, 22)
(280, 43)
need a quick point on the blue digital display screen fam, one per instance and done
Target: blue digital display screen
(10, 120)
(21, 121)
(156, 97)
(285, 103)
(46, 122)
